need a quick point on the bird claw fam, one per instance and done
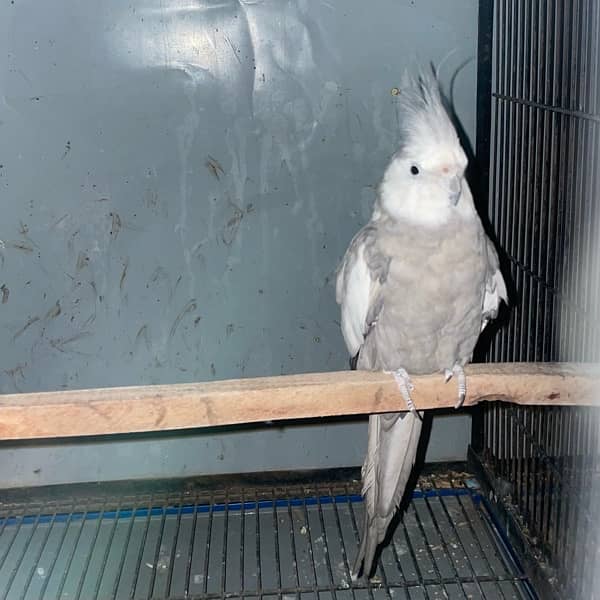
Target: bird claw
(461, 379)
(406, 387)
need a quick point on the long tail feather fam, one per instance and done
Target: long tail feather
(391, 453)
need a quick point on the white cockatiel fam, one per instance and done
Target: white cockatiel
(416, 286)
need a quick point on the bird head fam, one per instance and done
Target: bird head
(425, 181)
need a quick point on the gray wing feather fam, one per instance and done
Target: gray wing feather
(360, 276)
(495, 287)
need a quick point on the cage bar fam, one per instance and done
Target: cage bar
(542, 463)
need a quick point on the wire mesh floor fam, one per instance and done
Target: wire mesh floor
(289, 543)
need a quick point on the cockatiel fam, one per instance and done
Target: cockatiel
(416, 286)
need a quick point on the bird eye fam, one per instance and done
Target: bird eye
(414, 170)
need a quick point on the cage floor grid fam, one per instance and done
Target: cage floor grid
(268, 544)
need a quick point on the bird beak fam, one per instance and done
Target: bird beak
(455, 190)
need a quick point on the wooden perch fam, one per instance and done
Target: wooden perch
(183, 406)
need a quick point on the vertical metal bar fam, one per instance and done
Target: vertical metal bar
(506, 438)
(588, 301)
(540, 249)
(582, 488)
(593, 293)
(565, 541)
(484, 97)
(156, 558)
(526, 467)
(550, 497)
(509, 197)
(495, 147)
(190, 556)
(124, 554)
(514, 452)
(500, 409)
(341, 537)
(539, 475)
(12, 541)
(585, 47)
(538, 437)
(534, 470)
(571, 175)
(498, 194)
(517, 227)
(561, 190)
(553, 307)
(531, 470)
(572, 511)
(528, 180)
(242, 539)
(545, 488)
(579, 520)
(555, 483)
(594, 218)
(477, 541)
(538, 118)
(3, 522)
(18, 562)
(89, 556)
(293, 544)
(501, 439)
(563, 490)
(276, 542)
(503, 200)
(138, 562)
(592, 550)
(106, 553)
(445, 546)
(497, 433)
(69, 561)
(57, 554)
(574, 542)
(583, 152)
(519, 459)
(311, 551)
(426, 543)
(224, 548)
(259, 582)
(494, 71)
(345, 560)
(326, 547)
(173, 549)
(459, 539)
(413, 556)
(576, 177)
(35, 562)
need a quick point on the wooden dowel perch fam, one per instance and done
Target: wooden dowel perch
(183, 406)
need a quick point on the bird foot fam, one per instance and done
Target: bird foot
(461, 379)
(405, 386)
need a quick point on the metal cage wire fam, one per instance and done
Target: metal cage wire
(286, 543)
(544, 205)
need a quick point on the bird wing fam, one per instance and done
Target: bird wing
(358, 287)
(495, 287)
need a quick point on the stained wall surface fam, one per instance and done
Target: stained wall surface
(178, 181)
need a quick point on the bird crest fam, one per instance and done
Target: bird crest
(425, 122)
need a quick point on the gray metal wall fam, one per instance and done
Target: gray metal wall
(178, 181)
